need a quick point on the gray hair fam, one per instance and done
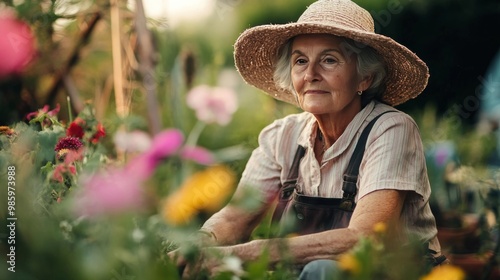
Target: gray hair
(369, 63)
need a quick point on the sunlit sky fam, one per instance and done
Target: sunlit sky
(178, 11)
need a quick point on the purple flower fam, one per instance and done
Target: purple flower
(443, 152)
(213, 104)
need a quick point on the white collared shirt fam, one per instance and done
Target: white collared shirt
(393, 159)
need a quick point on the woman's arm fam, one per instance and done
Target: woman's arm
(233, 224)
(379, 206)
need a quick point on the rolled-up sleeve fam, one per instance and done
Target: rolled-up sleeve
(394, 158)
(263, 171)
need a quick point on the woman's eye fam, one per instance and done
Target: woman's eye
(300, 61)
(329, 60)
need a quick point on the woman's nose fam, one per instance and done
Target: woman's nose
(312, 74)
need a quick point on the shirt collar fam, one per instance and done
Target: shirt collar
(308, 135)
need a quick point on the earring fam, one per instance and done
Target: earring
(360, 92)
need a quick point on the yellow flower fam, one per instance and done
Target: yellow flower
(206, 190)
(445, 272)
(380, 228)
(348, 262)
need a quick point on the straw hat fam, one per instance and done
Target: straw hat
(256, 49)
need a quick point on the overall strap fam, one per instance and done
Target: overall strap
(293, 174)
(287, 188)
(349, 186)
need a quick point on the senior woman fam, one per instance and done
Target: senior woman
(345, 78)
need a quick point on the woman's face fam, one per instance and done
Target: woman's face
(324, 75)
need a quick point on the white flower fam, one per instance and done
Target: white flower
(138, 235)
(234, 265)
(133, 141)
(213, 104)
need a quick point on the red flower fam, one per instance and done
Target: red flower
(99, 134)
(67, 144)
(75, 128)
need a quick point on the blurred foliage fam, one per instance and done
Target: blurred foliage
(444, 33)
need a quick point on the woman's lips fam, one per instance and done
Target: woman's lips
(315, 91)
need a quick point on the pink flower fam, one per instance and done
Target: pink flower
(197, 154)
(17, 47)
(213, 104)
(121, 190)
(73, 156)
(61, 170)
(109, 193)
(166, 143)
(44, 112)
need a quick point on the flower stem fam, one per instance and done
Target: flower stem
(70, 113)
(195, 133)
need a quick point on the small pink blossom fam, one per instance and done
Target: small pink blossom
(62, 169)
(67, 167)
(44, 112)
(73, 156)
(213, 104)
(165, 143)
(17, 47)
(197, 154)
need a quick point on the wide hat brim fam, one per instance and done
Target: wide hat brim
(256, 51)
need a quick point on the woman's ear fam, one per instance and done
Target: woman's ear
(365, 83)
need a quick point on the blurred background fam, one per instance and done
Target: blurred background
(192, 44)
(136, 61)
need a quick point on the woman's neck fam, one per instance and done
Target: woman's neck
(332, 126)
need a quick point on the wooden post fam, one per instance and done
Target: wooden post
(121, 108)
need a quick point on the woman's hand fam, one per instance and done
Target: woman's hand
(208, 261)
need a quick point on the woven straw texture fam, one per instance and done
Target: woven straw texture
(257, 48)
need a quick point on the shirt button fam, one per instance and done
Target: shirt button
(300, 216)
